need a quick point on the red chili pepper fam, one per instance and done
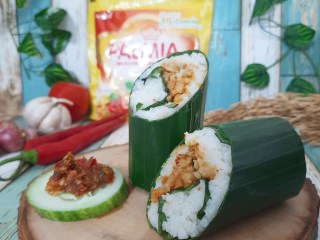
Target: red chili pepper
(55, 151)
(59, 135)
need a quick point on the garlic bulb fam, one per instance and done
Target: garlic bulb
(46, 114)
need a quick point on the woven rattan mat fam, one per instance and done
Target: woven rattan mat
(302, 111)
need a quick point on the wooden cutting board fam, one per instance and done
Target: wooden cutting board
(295, 219)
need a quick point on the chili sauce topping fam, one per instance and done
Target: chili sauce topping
(78, 176)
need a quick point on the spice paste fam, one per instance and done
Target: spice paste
(78, 176)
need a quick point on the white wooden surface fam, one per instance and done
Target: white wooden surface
(74, 57)
(10, 83)
(258, 46)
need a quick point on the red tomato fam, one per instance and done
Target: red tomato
(77, 94)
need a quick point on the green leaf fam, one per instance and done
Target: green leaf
(138, 106)
(156, 104)
(129, 85)
(260, 8)
(155, 73)
(222, 136)
(113, 96)
(171, 105)
(20, 3)
(56, 73)
(28, 46)
(207, 196)
(162, 217)
(256, 76)
(49, 18)
(300, 85)
(56, 40)
(298, 35)
(278, 1)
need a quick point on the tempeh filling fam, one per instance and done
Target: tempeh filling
(177, 77)
(187, 169)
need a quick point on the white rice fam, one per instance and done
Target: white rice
(181, 208)
(147, 94)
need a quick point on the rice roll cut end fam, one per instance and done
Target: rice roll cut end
(166, 100)
(167, 85)
(222, 173)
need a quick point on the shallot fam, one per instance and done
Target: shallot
(11, 138)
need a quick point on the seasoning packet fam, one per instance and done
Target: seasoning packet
(126, 36)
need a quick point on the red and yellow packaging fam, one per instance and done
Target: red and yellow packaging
(125, 37)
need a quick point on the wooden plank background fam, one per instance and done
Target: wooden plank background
(224, 56)
(233, 45)
(33, 83)
(306, 12)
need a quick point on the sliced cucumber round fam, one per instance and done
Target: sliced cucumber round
(65, 208)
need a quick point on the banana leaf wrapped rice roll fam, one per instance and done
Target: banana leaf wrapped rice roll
(166, 101)
(224, 172)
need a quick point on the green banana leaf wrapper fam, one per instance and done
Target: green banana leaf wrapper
(150, 142)
(268, 167)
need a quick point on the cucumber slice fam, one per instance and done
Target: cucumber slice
(62, 208)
